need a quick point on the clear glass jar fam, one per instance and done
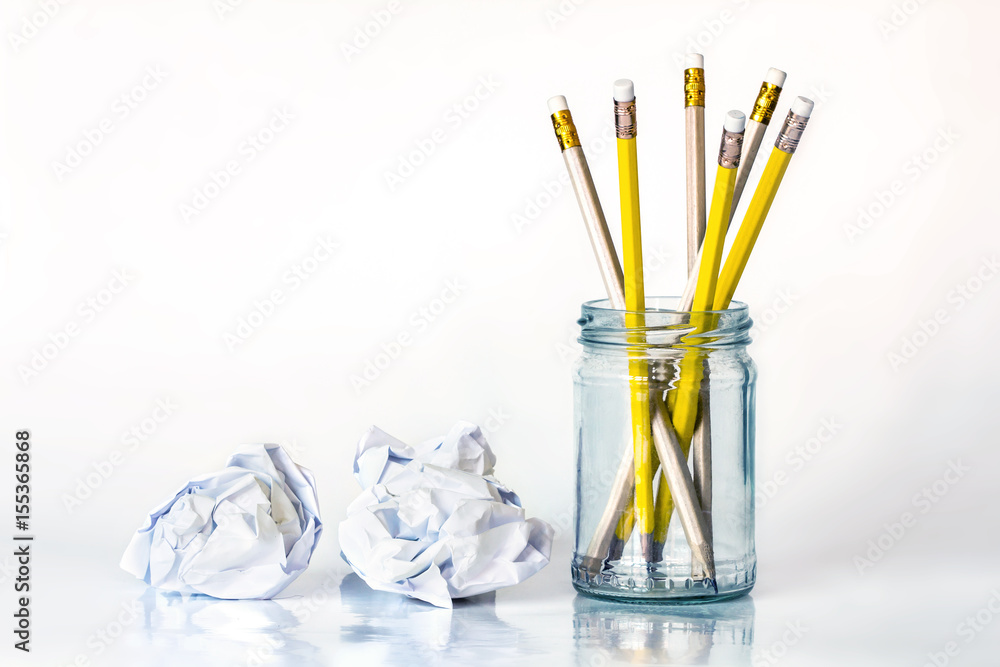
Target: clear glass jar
(708, 350)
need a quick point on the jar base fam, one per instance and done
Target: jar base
(653, 585)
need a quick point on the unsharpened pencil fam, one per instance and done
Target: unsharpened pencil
(635, 305)
(620, 501)
(760, 117)
(694, 152)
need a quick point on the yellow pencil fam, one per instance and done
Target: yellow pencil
(777, 163)
(684, 400)
(722, 201)
(635, 303)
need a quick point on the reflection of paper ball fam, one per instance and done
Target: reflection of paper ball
(182, 629)
(435, 533)
(246, 531)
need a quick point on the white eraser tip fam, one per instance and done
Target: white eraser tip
(624, 90)
(736, 121)
(802, 106)
(775, 77)
(558, 103)
(694, 60)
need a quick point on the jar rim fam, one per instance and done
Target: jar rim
(661, 325)
(736, 308)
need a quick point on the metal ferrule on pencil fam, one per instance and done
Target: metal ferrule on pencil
(767, 102)
(562, 123)
(625, 119)
(791, 132)
(694, 87)
(730, 149)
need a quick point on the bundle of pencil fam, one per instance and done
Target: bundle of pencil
(665, 431)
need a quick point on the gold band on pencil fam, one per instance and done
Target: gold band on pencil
(694, 87)
(562, 123)
(766, 103)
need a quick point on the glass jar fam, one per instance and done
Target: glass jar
(696, 357)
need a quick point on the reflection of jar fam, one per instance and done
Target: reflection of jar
(715, 372)
(611, 633)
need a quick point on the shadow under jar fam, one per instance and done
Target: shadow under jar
(700, 357)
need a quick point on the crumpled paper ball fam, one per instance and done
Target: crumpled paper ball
(246, 531)
(434, 524)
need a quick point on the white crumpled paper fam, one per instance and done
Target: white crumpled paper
(433, 523)
(246, 531)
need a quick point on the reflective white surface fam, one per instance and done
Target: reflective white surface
(330, 617)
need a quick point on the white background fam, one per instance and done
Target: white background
(890, 81)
